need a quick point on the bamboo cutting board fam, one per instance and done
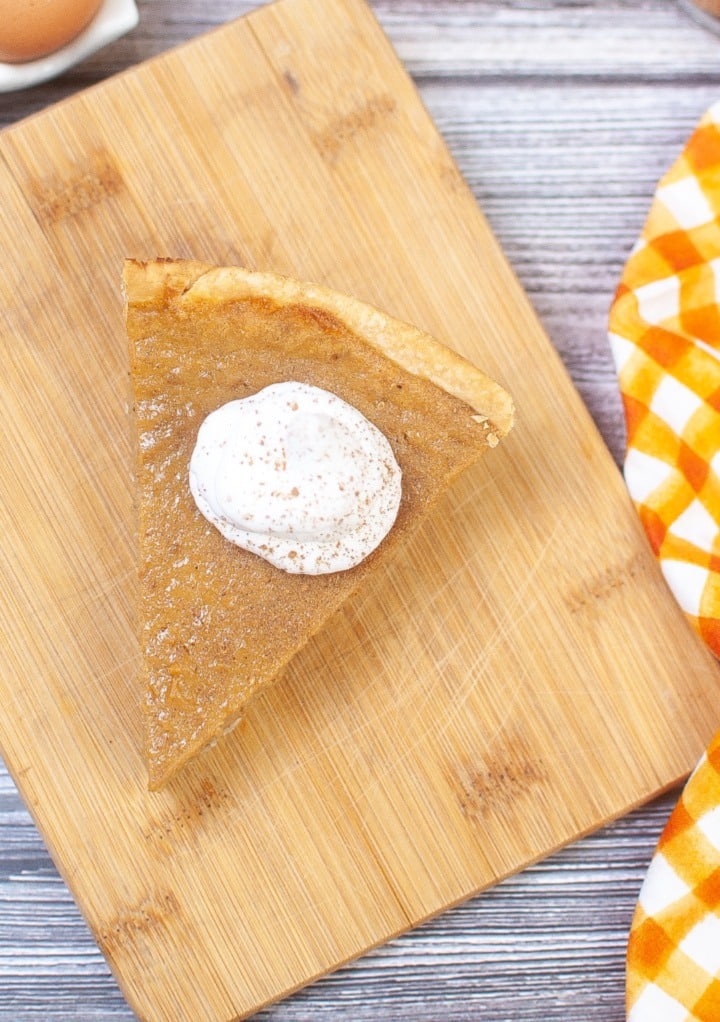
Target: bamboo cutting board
(519, 676)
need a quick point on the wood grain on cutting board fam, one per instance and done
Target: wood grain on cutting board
(518, 676)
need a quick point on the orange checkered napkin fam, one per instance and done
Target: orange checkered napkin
(673, 961)
(665, 337)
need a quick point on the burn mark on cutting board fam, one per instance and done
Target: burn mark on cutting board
(508, 771)
(93, 180)
(292, 82)
(134, 924)
(179, 822)
(608, 581)
(346, 127)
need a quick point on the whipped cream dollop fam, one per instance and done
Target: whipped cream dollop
(298, 476)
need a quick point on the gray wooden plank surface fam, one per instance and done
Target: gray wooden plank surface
(561, 114)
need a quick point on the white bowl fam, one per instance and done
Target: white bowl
(114, 19)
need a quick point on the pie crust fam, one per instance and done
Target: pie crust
(218, 624)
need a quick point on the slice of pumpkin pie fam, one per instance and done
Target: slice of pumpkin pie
(288, 438)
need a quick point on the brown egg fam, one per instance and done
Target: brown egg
(33, 28)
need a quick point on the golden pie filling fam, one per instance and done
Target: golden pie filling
(218, 622)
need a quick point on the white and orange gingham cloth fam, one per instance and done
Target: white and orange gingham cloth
(664, 331)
